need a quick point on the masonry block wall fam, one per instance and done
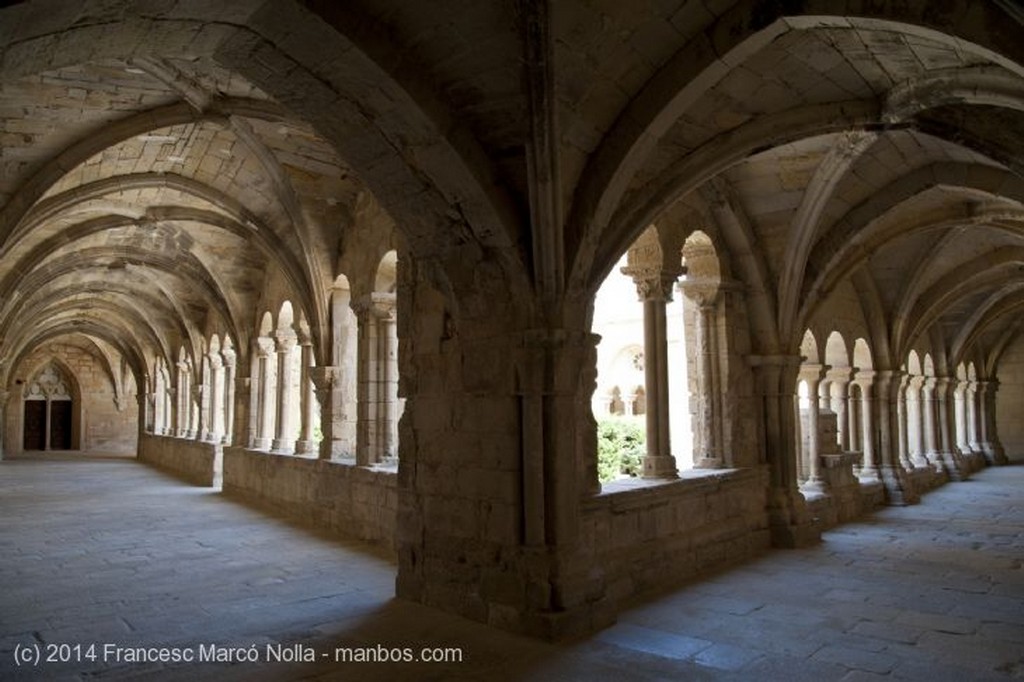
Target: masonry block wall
(106, 419)
(1010, 403)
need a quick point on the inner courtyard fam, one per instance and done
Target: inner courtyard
(533, 321)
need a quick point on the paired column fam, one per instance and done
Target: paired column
(265, 397)
(990, 444)
(869, 465)
(229, 397)
(812, 375)
(216, 426)
(838, 402)
(307, 398)
(377, 372)
(284, 438)
(898, 488)
(654, 288)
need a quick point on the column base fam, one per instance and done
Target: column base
(955, 466)
(869, 475)
(261, 444)
(815, 486)
(283, 445)
(660, 466)
(789, 522)
(305, 447)
(708, 463)
(899, 489)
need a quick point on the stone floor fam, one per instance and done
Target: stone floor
(102, 550)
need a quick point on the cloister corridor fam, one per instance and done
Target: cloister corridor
(102, 549)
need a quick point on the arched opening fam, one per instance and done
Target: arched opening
(51, 419)
(379, 404)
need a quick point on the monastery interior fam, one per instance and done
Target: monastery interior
(341, 260)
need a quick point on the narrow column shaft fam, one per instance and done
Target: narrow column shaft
(284, 439)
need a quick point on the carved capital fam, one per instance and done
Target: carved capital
(653, 283)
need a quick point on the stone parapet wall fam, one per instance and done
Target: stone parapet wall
(355, 502)
(656, 536)
(197, 462)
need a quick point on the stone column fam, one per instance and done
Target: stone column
(901, 424)
(930, 426)
(990, 444)
(915, 422)
(387, 356)
(197, 424)
(284, 439)
(775, 379)
(182, 413)
(654, 287)
(216, 429)
(229, 399)
(960, 413)
(307, 398)
(265, 399)
(974, 417)
(839, 397)
(812, 376)
(324, 380)
(244, 431)
(869, 465)
(898, 488)
(956, 468)
(854, 405)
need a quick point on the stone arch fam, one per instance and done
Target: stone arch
(51, 407)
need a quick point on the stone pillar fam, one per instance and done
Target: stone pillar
(963, 445)
(265, 398)
(183, 412)
(377, 378)
(775, 379)
(388, 371)
(812, 376)
(710, 454)
(244, 432)
(899, 490)
(171, 410)
(229, 399)
(284, 438)
(974, 417)
(930, 425)
(654, 288)
(956, 468)
(216, 432)
(990, 444)
(197, 424)
(915, 422)
(869, 464)
(854, 407)
(325, 380)
(839, 397)
(307, 397)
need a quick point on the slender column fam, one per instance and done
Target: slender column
(324, 380)
(869, 466)
(854, 405)
(366, 387)
(387, 368)
(710, 456)
(265, 398)
(229, 398)
(960, 412)
(284, 440)
(899, 489)
(307, 399)
(182, 412)
(915, 422)
(244, 422)
(930, 425)
(812, 376)
(171, 410)
(950, 455)
(902, 419)
(990, 444)
(974, 417)
(654, 288)
(839, 397)
(216, 365)
(197, 425)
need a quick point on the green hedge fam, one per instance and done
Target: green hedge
(621, 444)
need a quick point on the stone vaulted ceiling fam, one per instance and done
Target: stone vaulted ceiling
(160, 159)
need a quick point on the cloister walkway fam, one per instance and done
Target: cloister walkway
(102, 550)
